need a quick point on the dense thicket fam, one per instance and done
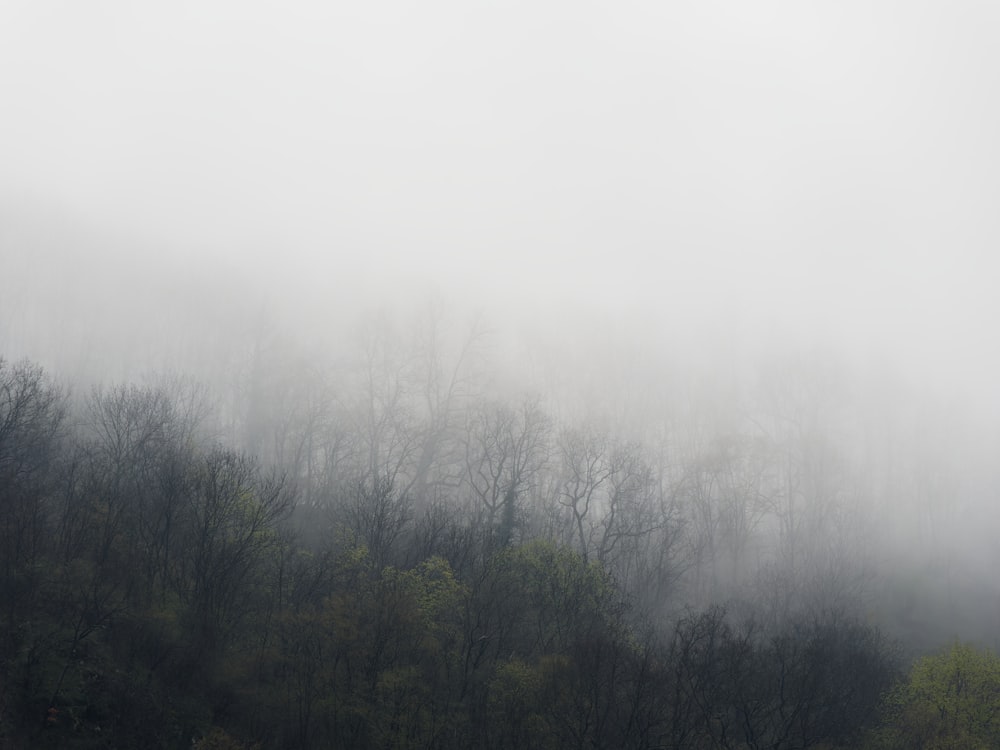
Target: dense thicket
(411, 562)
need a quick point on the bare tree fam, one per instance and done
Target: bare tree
(229, 531)
(586, 466)
(32, 413)
(446, 374)
(505, 449)
(377, 516)
(382, 411)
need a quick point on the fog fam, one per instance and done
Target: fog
(644, 203)
(827, 168)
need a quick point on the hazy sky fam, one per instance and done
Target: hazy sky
(800, 166)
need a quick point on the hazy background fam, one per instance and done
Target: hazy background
(719, 176)
(679, 222)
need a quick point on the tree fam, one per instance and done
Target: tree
(808, 683)
(586, 467)
(445, 376)
(376, 516)
(730, 490)
(32, 412)
(547, 655)
(505, 448)
(383, 410)
(949, 701)
(230, 528)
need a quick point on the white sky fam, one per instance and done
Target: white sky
(830, 166)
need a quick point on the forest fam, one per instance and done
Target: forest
(402, 547)
(499, 375)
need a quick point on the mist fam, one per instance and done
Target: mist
(696, 228)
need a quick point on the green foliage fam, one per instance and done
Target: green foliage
(563, 597)
(218, 739)
(433, 598)
(516, 701)
(950, 701)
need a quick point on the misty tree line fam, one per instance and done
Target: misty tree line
(785, 491)
(403, 552)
